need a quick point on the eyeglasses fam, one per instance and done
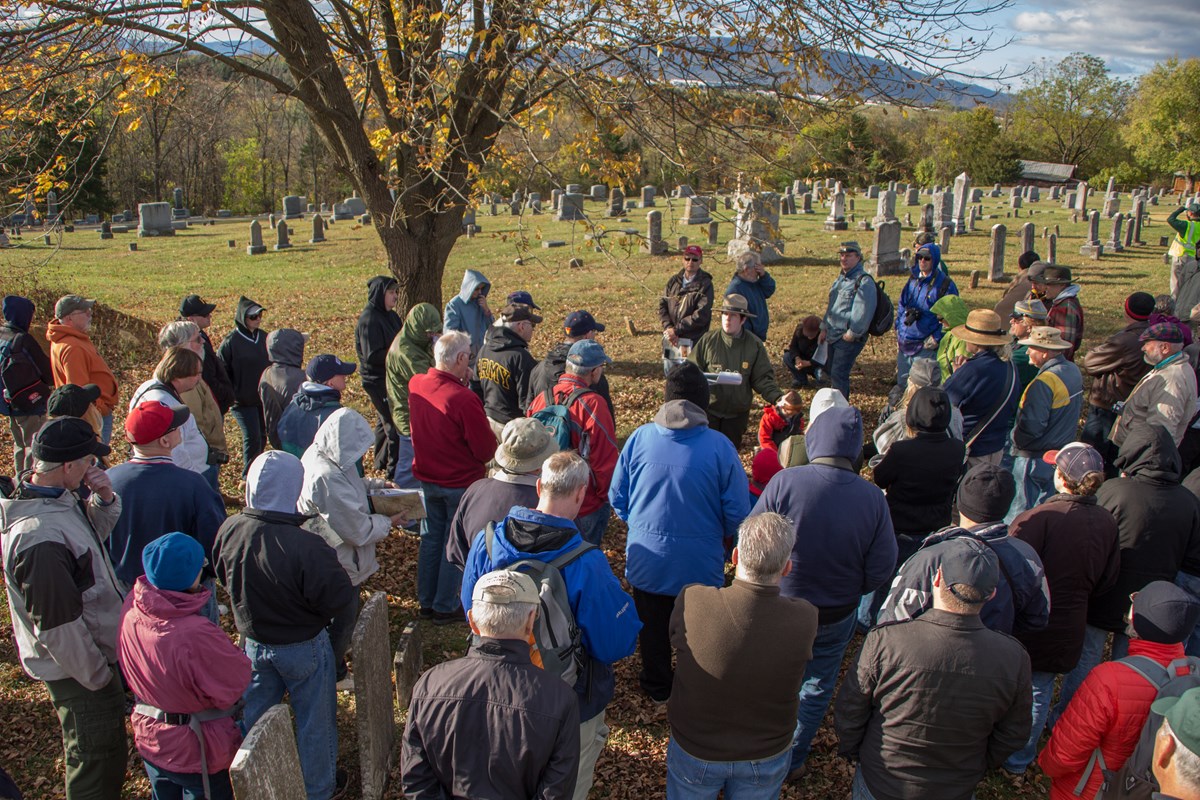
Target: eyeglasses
(254, 316)
(691, 258)
(924, 258)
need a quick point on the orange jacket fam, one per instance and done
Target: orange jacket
(74, 359)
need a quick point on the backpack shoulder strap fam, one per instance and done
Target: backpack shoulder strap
(1153, 672)
(572, 554)
(548, 397)
(575, 395)
(1097, 760)
(489, 538)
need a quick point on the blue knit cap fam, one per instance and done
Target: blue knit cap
(173, 562)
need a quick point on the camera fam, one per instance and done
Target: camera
(912, 315)
(217, 457)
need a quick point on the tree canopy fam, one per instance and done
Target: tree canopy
(1164, 129)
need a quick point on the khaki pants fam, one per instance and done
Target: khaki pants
(593, 735)
(23, 429)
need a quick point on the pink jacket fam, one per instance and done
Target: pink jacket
(180, 662)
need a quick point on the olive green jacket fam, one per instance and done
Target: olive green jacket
(717, 351)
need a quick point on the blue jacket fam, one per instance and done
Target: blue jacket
(756, 294)
(1048, 416)
(682, 490)
(852, 300)
(974, 389)
(463, 315)
(606, 616)
(312, 404)
(921, 293)
(845, 543)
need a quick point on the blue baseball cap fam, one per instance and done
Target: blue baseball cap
(524, 298)
(581, 323)
(326, 366)
(173, 562)
(588, 354)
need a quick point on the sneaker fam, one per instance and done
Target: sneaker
(340, 780)
(797, 774)
(425, 613)
(448, 617)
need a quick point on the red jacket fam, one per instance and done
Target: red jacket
(774, 427)
(591, 413)
(452, 440)
(178, 661)
(1108, 711)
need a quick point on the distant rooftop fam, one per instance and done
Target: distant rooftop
(1045, 171)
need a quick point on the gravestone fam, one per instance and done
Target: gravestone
(271, 221)
(799, 187)
(912, 197)
(683, 191)
(375, 709)
(224, 213)
(756, 227)
(972, 218)
(977, 195)
(1114, 240)
(292, 207)
(355, 205)
(1033, 195)
(407, 664)
(836, 221)
(1055, 192)
(616, 202)
(996, 191)
(318, 230)
(653, 243)
(154, 219)
(806, 203)
(178, 195)
(885, 211)
(885, 257)
(682, 243)
(1081, 193)
(962, 198)
(282, 241)
(514, 206)
(570, 207)
(1015, 201)
(52, 218)
(468, 218)
(926, 225)
(1135, 219)
(1091, 246)
(256, 246)
(944, 241)
(1128, 233)
(648, 193)
(996, 260)
(267, 765)
(574, 188)
(1052, 249)
(1112, 204)
(599, 192)
(342, 211)
(713, 231)
(872, 192)
(133, 247)
(697, 210)
(1028, 231)
(311, 209)
(106, 230)
(1069, 199)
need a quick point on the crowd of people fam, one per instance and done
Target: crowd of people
(996, 554)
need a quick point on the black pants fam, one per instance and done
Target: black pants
(387, 439)
(734, 428)
(654, 642)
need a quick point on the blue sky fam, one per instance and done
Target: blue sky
(1130, 35)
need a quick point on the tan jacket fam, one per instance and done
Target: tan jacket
(204, 408)
(1166, 396)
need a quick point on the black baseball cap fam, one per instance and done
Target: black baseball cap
(193, 306)
(67, 439)
(70, 400)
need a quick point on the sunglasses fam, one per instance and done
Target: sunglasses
(924, 258)
(691, 258)
(254, 316)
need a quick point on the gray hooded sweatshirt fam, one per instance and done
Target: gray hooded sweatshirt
(280, 381)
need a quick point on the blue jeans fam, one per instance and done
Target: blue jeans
(1190, 584)
(691, 778)
(1043, 693)
(592, 526)
(904, 363)
(820, 676)
(1092, 654)
(106, 429)
(800, 375)
(209, 611)
(167, 785)
(305, 671)
(250, 420)
(210, 476)
(404, 461)
(1035, 482)
(437, 579)
(842, 356)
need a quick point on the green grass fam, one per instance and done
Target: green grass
(320, 289)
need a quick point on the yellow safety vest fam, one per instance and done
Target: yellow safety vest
(1186, 246)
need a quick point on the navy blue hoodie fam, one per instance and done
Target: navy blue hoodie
(18, 316)
(845, 544)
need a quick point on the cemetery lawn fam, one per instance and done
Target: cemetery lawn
(320, 289)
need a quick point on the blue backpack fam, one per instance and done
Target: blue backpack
(557, 417)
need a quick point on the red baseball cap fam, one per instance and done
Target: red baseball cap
(693, 250)
(153, 420)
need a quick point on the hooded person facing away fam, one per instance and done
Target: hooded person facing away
(279, 382)
(411, 353)
(468, 310)
(377, 325)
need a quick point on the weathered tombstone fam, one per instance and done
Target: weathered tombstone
(318, 230)
(178, 195)
(713, 231)
(574, 188)
(653, 243)
(648, 193)
(872, 192)
(885, 258)
(1128, 233)
(962, 198)
(926, 225)
(1091, 246)
(977, 195)
(1028, 231)
(806, 200)
(996, 262)
(106, 230)
(1069, 199)
(555, 199)
(355, 205)
(282, 241)
(271, 220)
(912, 197)
(1114, 240)
(1055, 192)
(46, 239)
(836, 221)
(468, 218)
(256, 246)
(407, 664)
(599, 192)
(133, 247)
(1015, 201)
(616, 202)
(1112, 204)
(52, 218)
(697, 210)
(1135, 221)
(886, 209)
(996, 191)
(267, 765)
(375, 709)
(972, 218)
(944, 241)
(683, 191)
(756, 227)
(1052, 249)
(571, 207)
(291, 207)
(310, 208)
(1034, 194)
(682, 243)
(1081, 193)
(154, 219)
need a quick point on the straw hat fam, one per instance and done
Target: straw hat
(983, 327)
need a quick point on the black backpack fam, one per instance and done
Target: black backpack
(884, 318)
(22, 390)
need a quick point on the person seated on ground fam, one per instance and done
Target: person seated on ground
(741, 652)
(951, 312)
(525, 444)
(763, 467)
(892, 427)
(1022, 597)
(291, 599)
(798, 357)
(279, 382)
(495, 693)
(781, 421)
(1111, 706)
(314, 402)
(179, 665)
